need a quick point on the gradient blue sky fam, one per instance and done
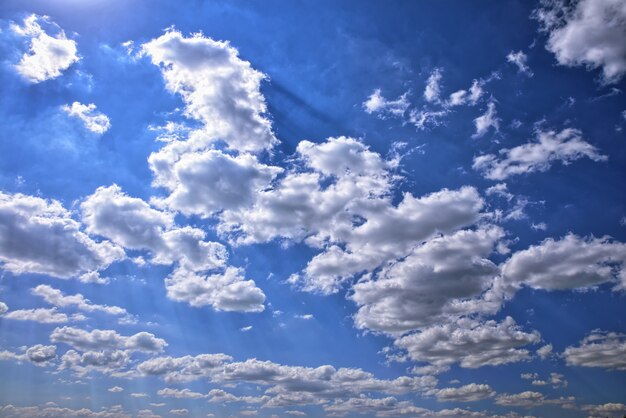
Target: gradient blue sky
(283, 208)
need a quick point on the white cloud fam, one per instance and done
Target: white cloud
(3, 308)
(427, 286)
(467, 393)
(224, 291)
(41, 237)
(40, 355)
(181, 411)
(599, 349)
(205, 182)
(433, 88)
(388, 232)
(48, 56)
(565, 146)
(569, 263)
(183, 369)
(545, 351)
(11, 411)
(134, 224)
(204, 72)
(613, 410)
(487, 120)
(97, 122)
(526, 399)
(57, 298)
(115, 389)
(180, 394)
(376, 103)
(519, 59)
(470, 96)
(470, 343)
(41, 315)
(587, 32)
(107, 340)
(105, 361)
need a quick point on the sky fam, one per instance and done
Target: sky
(312, 208)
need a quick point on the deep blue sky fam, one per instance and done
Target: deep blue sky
(559, 221)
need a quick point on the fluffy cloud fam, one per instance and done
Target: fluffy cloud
(134, 224)
(519, 59)
(565, 146)
(376, 103)
(107, 340)
(41, 315)
(587, 32)
(469, 342)
(39, 355)
(41, 237)
(467, 393)
(48, 56)
(487, 120)
(526, 399)
(433, 88)
(183, 369)
(10, 411)
(206, 182)
(423, 287)
(219, 88)
(96, 122)
(599, 349)
(224, 291)
(57, 298)
(105, 361)
(389, 232)
(180, 394)
(614, 410)
(569, 263)
(470, 96)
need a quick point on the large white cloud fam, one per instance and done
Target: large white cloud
(219, 88)
(470, 343)
(387, 232)
(466, 393)
(599, 349)
(48, 56)
(570, 263)
(107, 340)
(39, 355)
(565, 146)
(40, 236)
(421, 289)
(134, 224)
(224, 291)
(587, 32)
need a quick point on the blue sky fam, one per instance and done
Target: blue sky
(278, 209)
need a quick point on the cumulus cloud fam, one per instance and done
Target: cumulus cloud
(205, 72)
(587, 32)
(519, 59)
(183, 369)
(224, 291)
(39, 355)
(549, 147)
(41, 237)
(107, 340)
(376, 103)
(570, 263)
(41, 315)
(467, 393)
(10, 411)
(470, 96)
(134, 224)
(107, 361)
(97, 122)
(57, 298)
(180, 393)
(433, 88)
(388, 232)
(613, 410)
(487, 120)
(599, 349)
(48, 56)
(470, 343)
(422, 288)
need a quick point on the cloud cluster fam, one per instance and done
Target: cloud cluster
(587, 33)
(95, 121)
(48, 56)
